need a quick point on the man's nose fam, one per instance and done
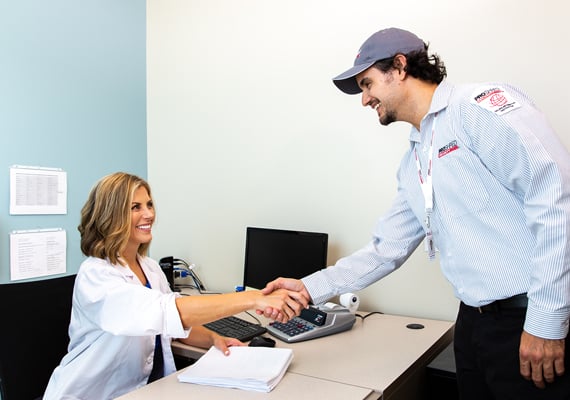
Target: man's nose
(365, 99)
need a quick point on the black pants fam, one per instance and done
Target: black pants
(487, 358)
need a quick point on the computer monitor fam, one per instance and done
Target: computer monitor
(271, 253)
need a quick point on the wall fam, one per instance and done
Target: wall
(73, 96)
(246, 128)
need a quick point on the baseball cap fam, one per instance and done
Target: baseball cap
(381, 45)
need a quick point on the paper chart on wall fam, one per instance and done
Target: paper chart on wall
(37, 190)
(37, 253)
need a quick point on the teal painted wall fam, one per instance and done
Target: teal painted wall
(72, 96)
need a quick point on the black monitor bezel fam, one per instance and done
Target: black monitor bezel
(251, 283)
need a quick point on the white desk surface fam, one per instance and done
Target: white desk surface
(378, 356)
(292, 386)
(377, 353)
(373, 354)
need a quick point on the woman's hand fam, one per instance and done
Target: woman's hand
(223, 343)
(286, 303)
(205, 338)
(296, 289)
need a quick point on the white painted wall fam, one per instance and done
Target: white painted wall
(246, 128)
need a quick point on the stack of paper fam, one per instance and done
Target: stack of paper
(249, 368)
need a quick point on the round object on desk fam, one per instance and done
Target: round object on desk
(415, 326)
(350, 301)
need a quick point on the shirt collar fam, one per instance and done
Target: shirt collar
(441, 96)
(439, 101)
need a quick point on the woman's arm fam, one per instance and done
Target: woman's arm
(198, 310)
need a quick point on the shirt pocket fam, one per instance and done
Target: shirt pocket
(459, 188)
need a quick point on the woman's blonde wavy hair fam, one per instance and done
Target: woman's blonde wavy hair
(105, 226)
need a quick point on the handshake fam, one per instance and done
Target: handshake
(283, 299)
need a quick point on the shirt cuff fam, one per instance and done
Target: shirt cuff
(319, 293)
(546, 324)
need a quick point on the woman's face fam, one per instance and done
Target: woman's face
(142, 218)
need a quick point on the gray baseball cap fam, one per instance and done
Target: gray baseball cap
(381, 45)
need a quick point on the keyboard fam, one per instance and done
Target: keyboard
(236, 328)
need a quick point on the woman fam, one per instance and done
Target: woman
(124, 314)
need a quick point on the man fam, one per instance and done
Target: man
(486, 183)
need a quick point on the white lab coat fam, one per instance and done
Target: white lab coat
(114, 320)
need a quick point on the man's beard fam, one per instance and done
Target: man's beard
(388, 118)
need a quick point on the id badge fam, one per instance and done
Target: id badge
(430, 246)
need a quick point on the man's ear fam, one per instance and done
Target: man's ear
(400, 63)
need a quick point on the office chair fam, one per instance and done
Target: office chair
(34, 334)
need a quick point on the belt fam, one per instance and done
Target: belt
(518, 301)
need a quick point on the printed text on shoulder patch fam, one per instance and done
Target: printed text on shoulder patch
(495, 99)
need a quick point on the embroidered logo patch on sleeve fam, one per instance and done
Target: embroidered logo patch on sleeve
(495, 99)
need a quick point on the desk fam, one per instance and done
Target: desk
(292, 386)
(380, 353)
(379, 356)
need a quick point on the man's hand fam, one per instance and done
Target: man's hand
(284, 304)
(293, 285)
(541, 359)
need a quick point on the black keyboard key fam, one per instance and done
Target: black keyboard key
(294, 327)
(236, 328)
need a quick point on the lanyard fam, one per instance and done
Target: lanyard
(427, 190)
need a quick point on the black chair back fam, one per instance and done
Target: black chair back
(34, 334)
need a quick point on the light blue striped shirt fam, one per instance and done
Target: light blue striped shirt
(501, 214)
